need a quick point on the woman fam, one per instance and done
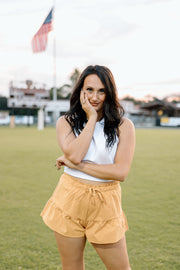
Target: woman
(98, 145)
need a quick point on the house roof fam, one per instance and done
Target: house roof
(158, 104)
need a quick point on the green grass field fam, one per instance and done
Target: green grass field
(151, 201)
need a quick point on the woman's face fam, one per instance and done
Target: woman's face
(95, 92)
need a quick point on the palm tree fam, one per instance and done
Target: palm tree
(74, 76)
(64, 91)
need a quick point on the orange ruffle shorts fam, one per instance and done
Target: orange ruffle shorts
(77, 209)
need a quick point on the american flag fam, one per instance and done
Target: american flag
(39, 40)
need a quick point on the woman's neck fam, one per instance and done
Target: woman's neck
(99, 116)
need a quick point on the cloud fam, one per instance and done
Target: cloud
(66, 50)
(114, 28)
(175, 81)
(159, 89)
(137, 41)
(90, 26)
(140, 2)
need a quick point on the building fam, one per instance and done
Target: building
(165, 113)
(27, 98)
(137, 115)
(28, 95)
(130, 108)
(54, 109)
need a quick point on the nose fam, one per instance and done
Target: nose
(94, 96)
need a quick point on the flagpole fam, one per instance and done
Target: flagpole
(54, 60)
(54, 72)
(39, 42)
(54, 75)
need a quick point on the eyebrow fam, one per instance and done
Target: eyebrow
(102, 88)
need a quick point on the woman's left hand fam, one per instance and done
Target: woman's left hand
(61, 161)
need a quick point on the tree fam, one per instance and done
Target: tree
(74, 76)
(3, 103)
(64, 92)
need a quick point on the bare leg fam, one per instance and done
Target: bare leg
(114, 256)
(71, 251)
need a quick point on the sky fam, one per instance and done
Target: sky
(137, 39)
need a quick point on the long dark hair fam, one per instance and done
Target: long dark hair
(112, 111)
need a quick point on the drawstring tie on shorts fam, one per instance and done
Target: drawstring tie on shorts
(93, 192)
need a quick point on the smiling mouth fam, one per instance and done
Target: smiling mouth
(94, 104)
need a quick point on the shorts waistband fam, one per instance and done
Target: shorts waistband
(102, 186)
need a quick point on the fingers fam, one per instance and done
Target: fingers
(59, 164)
(83, 97)
(58, 167)
(86, 106)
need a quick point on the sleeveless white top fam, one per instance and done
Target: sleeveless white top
(97, 153)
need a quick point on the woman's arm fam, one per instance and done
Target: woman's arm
(75, 148)
(123, 159)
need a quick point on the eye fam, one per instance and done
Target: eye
(102, 91)
(89, 89)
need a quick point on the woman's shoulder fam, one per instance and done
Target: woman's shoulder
(61, 122)
(61, 119)
(127, 124)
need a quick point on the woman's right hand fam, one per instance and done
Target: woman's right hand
(63, 161)
(87, 107)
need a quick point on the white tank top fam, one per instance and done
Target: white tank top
(97, 153)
